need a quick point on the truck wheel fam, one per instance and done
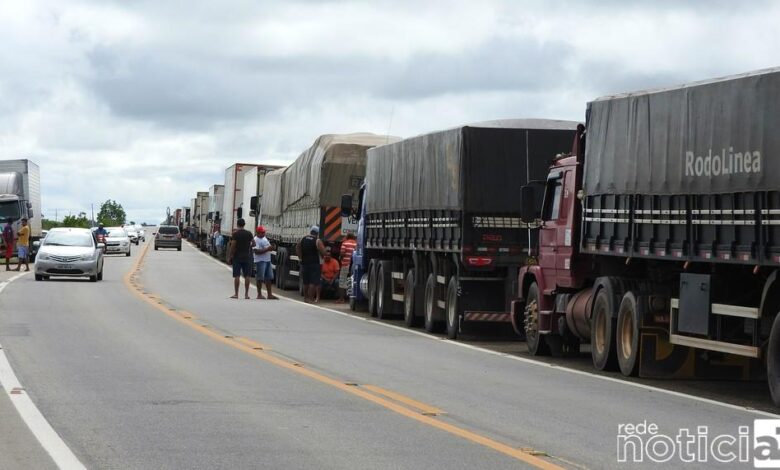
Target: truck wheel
(773, 361)
(453, 310)
(537, 345)
(602, 332)
(372, 288)
(627, 337)
(430, 304)
(409, 297)
(384, 308)
(353, 296)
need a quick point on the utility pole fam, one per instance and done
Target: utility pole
(92, 219)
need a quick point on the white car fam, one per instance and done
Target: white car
(69, 252)
(117, 241)
(133, 235)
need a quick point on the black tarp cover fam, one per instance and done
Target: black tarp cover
(716, 136)
(493, 160)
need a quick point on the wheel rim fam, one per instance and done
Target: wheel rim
(532, 322)
(408, 298)
(627, 334)
(600, 330)
(428, 303)
(452, 308)
(380, 302)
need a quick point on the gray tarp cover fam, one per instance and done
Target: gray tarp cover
(334, 165)
(493, 158)
(717, 136)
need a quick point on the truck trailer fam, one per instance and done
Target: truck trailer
(660, 231)
(308, 192)
(20, 196)
(200, 218)
(439, 231)
(216, 199)
(254, 180)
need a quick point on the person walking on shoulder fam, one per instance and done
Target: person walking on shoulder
(309, 250)
(23, 245)
(240, 257)
(8, 242)
(264, 273)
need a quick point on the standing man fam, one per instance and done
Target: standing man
(309, 250)
(347, 247)
(8, 241)
(23, 245)
(264, 273)
(239, 255)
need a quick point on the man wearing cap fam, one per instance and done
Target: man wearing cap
(309, 250)
(262, 257)
(23, 245)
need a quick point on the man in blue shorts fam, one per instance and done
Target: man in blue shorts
(240, 256)
(264, 273)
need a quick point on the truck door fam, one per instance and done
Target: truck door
(555, 235)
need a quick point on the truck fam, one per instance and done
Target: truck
(439, 232)
(658, 235)
(199, 219)
(308, 193)
(20, 196)
(254, 180)
(213, 218)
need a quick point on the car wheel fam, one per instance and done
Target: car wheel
(100, 275)
(128, 253)
(178, 249)
(93, 278)
(155, 247)
(38, 277)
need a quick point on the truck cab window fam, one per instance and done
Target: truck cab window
(553, 199)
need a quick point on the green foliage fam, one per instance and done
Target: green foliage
(75, 221)
(50, 224)
(111, 213)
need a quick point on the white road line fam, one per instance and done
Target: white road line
(529, 361)
(32, 417)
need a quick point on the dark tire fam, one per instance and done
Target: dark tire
(155, 248)
(301, 288)
(410, 318)
(602, 332)
(537, 344)
(773, 361)
(372, 287)
(453, 309)
(127, 254)
(430, 304)
(38, 277)
(93, 278)
(384, 294)
(100, 275)
(178, 248)
(627, 335)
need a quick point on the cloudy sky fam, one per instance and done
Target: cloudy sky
(147, 102)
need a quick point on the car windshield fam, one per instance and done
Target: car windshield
(169, 230)
(68, 239)
(116, 232)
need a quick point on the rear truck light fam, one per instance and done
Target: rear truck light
(491, 237)
(479, 261)
(486, 249)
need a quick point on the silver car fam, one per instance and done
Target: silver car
(69, 252)
(117, 241)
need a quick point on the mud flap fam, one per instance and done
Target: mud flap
(659, 359)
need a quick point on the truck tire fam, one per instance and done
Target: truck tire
(372, 288)
(602, 332)
(409, 300)
(353, 296)
(627, 335)
(453, 308)
(537, 344)
(384, 294)
(773, 361)
(431, 325)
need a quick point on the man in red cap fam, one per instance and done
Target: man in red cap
(262, 256)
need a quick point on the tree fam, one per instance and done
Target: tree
(111, 213)
(76, 221)
(49, 224)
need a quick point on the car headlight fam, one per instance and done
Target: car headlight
(89, 257)
(43, 256)
(124, 242)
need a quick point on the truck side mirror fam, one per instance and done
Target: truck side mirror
(346, 205)
(528, 209)
(254, 204)
(239, 212)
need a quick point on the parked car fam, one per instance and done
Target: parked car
(117, 241)
(168, 236)
(132, 234)
(69, 252)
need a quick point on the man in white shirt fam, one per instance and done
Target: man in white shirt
(262, 257)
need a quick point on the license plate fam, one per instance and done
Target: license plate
(64, 266)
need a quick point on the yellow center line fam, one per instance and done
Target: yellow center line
(425, 409)
(528, 456)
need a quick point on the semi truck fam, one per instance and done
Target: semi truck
(659, 233)
(308, 192)
(254, 184)
(439, 231)
(216, 199)
(20, 196)
(199, 218)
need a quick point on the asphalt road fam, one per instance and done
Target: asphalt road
(155, 367)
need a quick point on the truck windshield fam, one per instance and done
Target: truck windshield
(9, 209)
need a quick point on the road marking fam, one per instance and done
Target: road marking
(534, 362)
(424, 409)
(528, 456)
(52, 443)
